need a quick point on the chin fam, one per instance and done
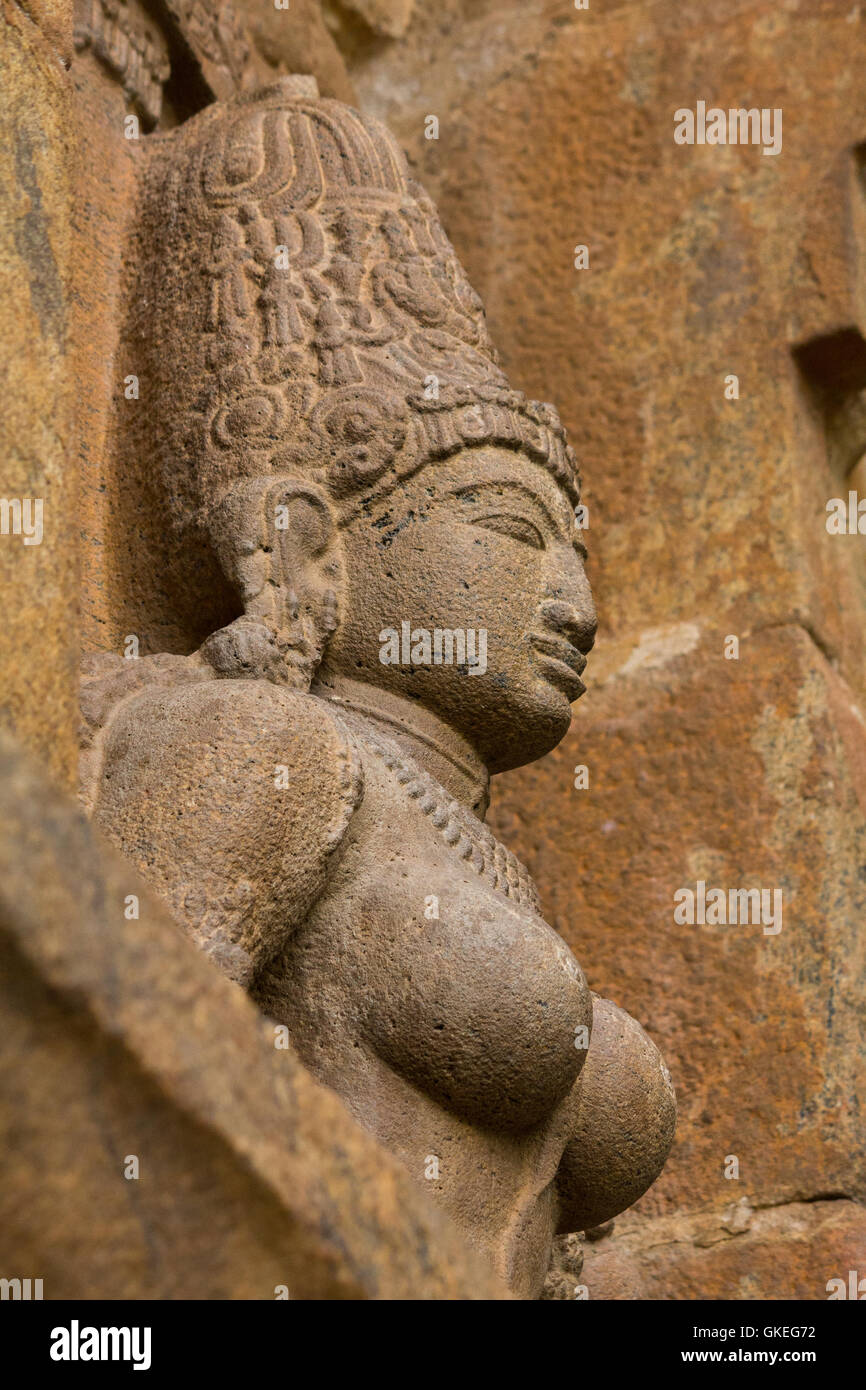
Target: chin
(533, 725)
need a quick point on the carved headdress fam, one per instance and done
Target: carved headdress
(307, 314)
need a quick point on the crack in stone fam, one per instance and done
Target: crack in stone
(700, 1233)
(828, 652)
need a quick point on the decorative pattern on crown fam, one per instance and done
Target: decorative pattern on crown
(338, 337)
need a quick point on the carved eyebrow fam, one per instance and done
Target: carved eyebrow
(487, 485)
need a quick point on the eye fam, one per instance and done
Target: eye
(517, 527)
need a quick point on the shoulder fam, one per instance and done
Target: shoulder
(233, 797)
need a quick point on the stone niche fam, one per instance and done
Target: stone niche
(233, 308)
(685, 764)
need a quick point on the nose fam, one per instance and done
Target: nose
(577, 624)
(574, 617)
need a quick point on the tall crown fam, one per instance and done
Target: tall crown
(307, 315)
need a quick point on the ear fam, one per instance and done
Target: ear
(278, 544)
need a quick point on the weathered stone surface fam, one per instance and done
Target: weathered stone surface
(38, 545)
(101, 214)
(218, 38)
(556, 129)
(122, 37)
(743, 773)
(388, 19)
(328, 442)
(297, 40)
(54, 20)
(707, 518)
(120, 1040)
(120, 518)
(566, 1265)
(240, 45)
(788, 1252)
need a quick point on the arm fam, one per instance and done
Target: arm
(232, 797)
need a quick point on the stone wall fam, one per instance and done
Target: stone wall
(39, 545)
(706, 521)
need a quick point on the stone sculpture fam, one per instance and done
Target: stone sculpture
(346, 474)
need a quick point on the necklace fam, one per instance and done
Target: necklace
(462, 831)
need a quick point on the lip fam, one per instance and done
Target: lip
(561, 663)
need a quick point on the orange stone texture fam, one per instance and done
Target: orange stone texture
(737, 763)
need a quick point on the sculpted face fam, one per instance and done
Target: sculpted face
(485, 546)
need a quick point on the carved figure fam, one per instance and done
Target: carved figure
(338, 445)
